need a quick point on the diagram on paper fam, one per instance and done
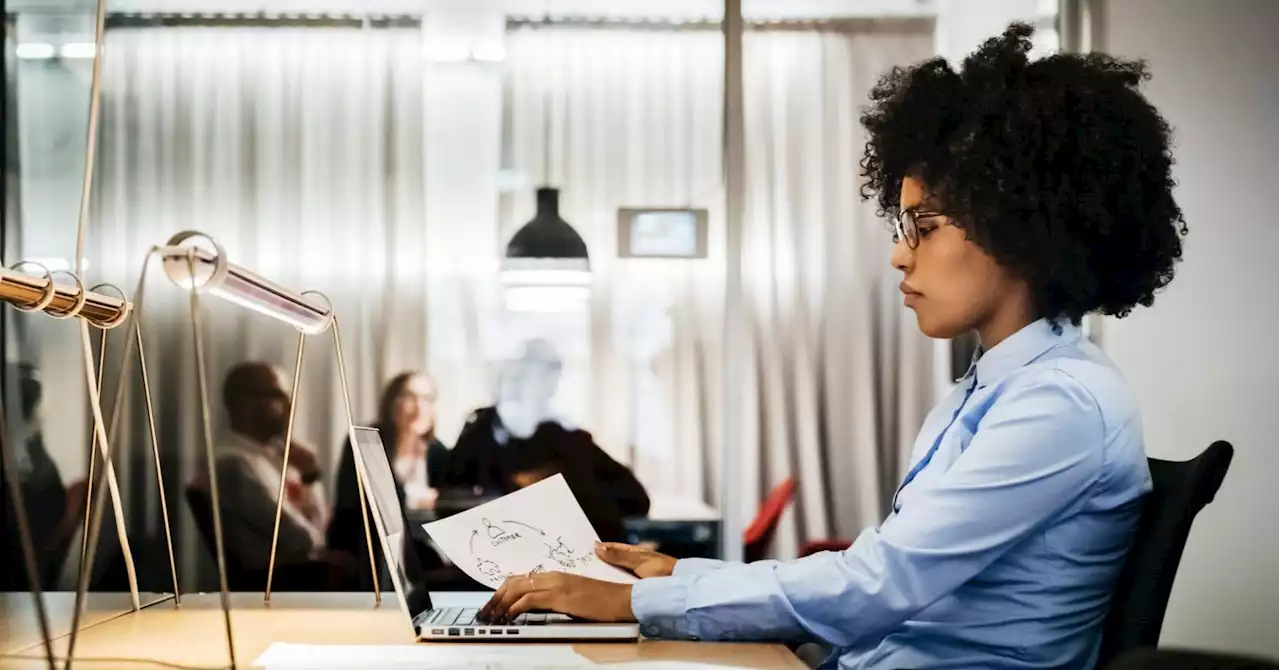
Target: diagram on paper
(540, 528)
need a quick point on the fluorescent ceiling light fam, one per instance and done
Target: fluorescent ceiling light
(35, 51)
(79, 50)
(546, 277)
(546, 299)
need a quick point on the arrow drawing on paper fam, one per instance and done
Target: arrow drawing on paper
(472, 543)
(518, 523)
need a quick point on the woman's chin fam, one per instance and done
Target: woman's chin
(937, 329)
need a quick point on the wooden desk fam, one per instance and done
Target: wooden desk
(193, 635)
(20, 627)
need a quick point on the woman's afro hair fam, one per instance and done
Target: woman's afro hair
(1058, 168)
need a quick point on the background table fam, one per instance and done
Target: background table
(680, 527)
(193, 635)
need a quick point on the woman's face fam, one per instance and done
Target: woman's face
(951, 283)
(415, 409)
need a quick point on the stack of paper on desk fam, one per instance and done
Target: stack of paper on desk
(286, 656)
(283, 655)
(538, 528)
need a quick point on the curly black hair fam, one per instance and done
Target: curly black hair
(1058, 168)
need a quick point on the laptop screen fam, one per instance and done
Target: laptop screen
(393, 526)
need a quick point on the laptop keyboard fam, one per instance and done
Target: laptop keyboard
(462, 617)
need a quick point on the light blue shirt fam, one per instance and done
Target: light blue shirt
(1001, 551)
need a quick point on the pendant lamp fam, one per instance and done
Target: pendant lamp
(547, 241)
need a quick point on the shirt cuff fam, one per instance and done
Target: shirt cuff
(658, 604)
(695, 566)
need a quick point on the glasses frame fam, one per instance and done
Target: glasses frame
(906, 226)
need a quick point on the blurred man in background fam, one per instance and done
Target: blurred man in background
(249, 466)
(519, 441)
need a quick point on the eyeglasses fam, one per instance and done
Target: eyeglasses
(907, 225)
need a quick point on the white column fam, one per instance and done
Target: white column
(463, 102)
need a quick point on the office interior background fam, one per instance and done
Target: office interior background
(385, 151)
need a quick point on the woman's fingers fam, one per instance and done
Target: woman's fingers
(528, 602)
(487, 611)
(506, 595)
(621, 555)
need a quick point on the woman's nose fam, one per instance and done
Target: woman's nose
(903, 256)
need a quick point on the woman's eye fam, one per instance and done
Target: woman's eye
(925, 230)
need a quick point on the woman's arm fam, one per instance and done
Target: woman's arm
(1035, 453)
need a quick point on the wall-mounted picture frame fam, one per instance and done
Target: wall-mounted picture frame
(662, 232)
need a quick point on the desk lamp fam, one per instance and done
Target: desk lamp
(205, 269)
(29, 293)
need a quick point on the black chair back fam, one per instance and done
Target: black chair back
(1179, 659)
(201, 503)
(1180, 490)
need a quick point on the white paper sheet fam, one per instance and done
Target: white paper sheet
(538, 528)
(436, 656)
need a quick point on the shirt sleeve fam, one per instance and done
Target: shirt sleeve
(1036, 450)
(692, 566)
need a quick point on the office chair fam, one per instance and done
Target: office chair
(201, 503)
(759, 535)
(1180, 490)
(312, 575)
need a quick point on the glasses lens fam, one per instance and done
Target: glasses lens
(907, 230)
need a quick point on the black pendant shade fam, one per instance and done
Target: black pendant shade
(547, 235)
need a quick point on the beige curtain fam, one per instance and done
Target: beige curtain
(300, 150)
(839, 377)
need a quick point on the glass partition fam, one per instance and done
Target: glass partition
(49, 50)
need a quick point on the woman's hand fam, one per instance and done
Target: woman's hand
(561, 592)
(421, 499)
(642, 562)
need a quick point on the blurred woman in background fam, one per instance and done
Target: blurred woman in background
(407, 421)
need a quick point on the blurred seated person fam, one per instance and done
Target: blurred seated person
(44, 495)
(249, 466)
(518, 442)
(407, 423)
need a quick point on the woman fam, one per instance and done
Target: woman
(1027, 195)
(406, 420)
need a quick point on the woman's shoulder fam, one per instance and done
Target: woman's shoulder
(1087, 375)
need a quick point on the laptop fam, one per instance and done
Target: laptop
(454, 624)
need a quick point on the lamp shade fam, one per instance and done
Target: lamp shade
(548, 237)
(193, 266)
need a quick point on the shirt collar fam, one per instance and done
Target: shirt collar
(1019, 349)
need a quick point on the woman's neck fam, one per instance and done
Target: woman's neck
(1014, 315)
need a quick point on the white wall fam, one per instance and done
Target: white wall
(1203, 359)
